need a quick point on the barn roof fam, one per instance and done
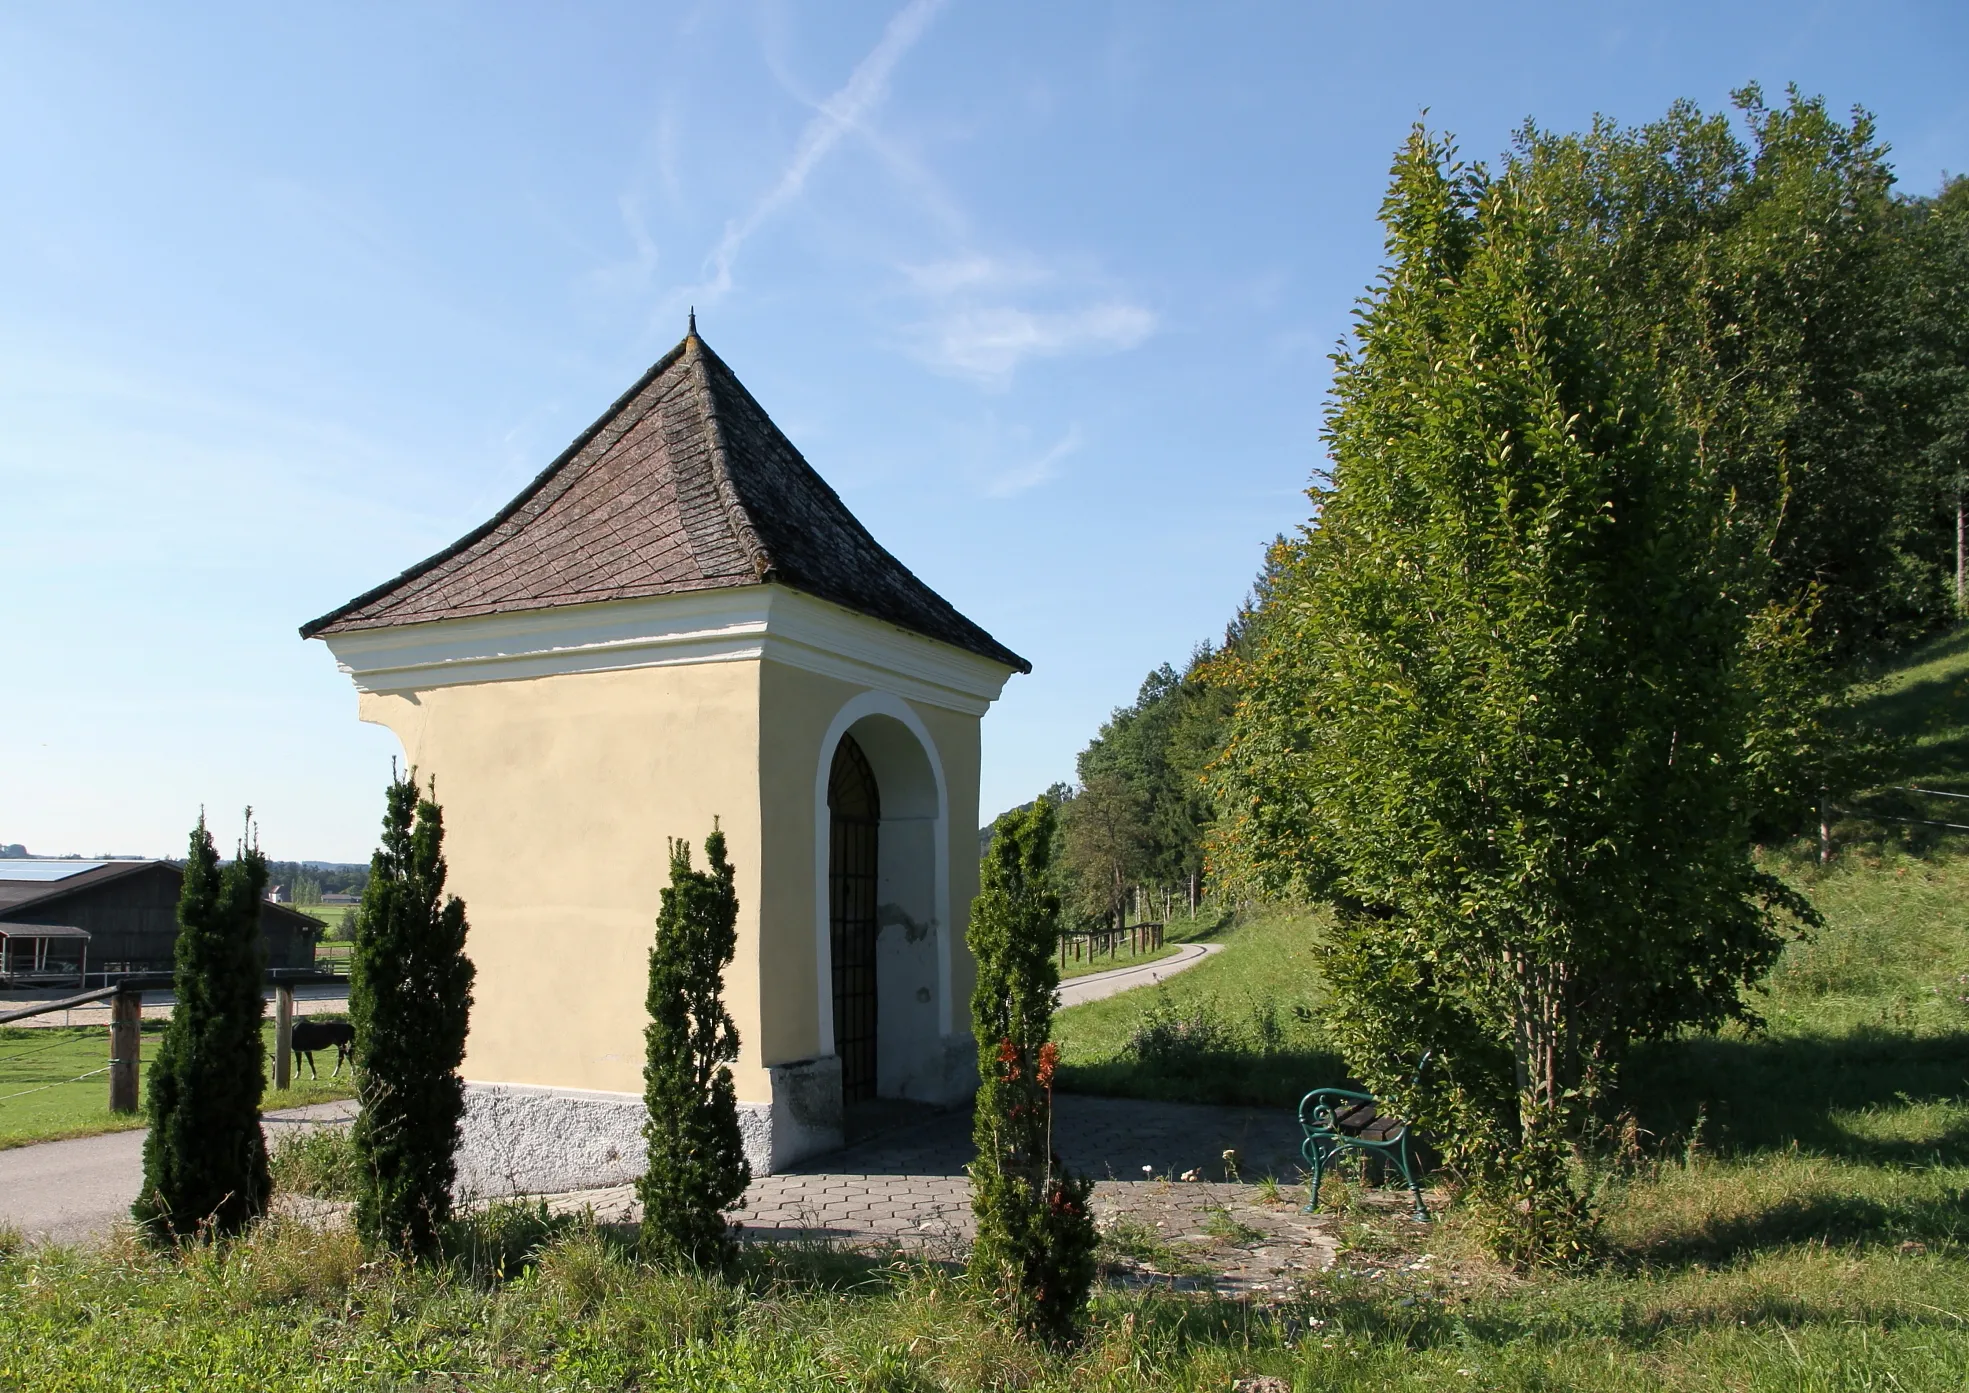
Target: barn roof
(22, 885)
(684, 484)
(37, 895)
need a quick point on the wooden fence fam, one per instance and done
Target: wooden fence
(1099, 943)
(126, 1012)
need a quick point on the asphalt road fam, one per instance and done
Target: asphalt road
(1096, 985)
(71, 1191)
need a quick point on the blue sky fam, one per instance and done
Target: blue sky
(290, 297)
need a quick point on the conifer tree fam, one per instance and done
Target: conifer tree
(410, 999)
(205, 1160)
(697, 1166)
(1035, 1245)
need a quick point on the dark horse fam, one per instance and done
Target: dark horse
(310, 1036)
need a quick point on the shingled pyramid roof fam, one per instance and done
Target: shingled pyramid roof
(684, 484)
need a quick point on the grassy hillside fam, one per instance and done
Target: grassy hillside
(1889, 971)
(1240, 1027)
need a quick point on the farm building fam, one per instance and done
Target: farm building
(127, 912)
(677, 621)
(37, 954)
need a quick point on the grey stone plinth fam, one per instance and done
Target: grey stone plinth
(518, 1139)
(524, 1139)
(804, 1118)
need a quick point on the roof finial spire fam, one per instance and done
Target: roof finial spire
(692, 333)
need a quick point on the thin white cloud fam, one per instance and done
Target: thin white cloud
(988, 343)
(973, 274)
(839, 114)
(1031, 475)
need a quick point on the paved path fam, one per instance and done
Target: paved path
(1161, 1165)
(1096, 985)
(71, 1191)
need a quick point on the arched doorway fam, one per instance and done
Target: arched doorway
(854, 806)
(882, 868)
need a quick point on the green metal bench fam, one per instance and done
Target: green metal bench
(1339, 1119)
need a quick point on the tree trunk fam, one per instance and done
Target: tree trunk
(1542, 1048)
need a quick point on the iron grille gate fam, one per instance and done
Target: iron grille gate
(855, 811)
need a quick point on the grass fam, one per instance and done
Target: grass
(44, 1096)
(528, 1302)
(316, 1161)
(333, 915)
(1240, 1027)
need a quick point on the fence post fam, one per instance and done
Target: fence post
(126, 1033)
(283, 1034)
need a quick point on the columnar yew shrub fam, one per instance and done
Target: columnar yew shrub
(205, 1161)
(1035, 1245)
(697, 1166)
(410, 999)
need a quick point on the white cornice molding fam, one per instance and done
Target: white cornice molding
(710, 626)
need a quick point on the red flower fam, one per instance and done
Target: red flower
(1049, 1059)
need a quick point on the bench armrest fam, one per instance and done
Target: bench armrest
(1319, 1103)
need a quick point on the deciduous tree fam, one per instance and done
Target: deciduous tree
(1499, 713)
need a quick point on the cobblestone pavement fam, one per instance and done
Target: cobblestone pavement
(908, 1187)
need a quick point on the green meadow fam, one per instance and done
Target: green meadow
(52, 1085)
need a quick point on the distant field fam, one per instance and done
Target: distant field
(329, 914)
(52, 1083)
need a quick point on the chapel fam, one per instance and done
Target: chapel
(678, 620)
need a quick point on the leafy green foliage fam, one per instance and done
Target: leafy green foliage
(697, 1166)
(1501, 713)
(1036, 1238)
(205, 1161)
(1797, 318)
(410, 999)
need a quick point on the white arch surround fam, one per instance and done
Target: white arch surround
(856, 709)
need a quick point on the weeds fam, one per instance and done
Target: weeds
(1223, 1226)
(316, 1161)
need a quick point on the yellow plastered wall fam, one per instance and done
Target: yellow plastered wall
(797, 708)
(559, 795)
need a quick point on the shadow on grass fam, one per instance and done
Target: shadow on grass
(1746, 1099)
(1226, 921)
(1278, 1078)
(1761, 1095)
(1824, 1217)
